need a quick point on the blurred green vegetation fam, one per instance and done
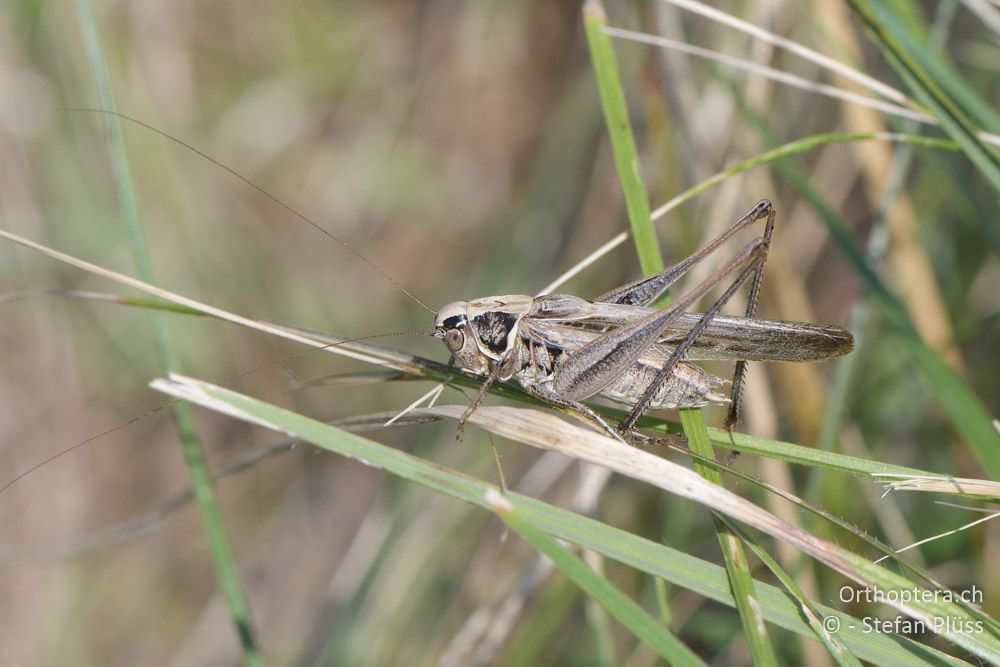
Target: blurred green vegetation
(462, 149)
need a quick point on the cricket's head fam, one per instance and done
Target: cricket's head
(451, 326)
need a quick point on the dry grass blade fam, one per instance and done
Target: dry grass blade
(933, 538)
(794, 47)
(496, 191)
(774, 74)
(264, 327)
(547, 431)
(550, 432)
(982, 488)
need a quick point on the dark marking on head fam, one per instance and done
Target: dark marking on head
(454, 322)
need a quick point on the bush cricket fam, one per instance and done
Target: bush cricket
(564, 350)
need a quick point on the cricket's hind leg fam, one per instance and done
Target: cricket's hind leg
(633, 438)
(752, 299)
(639, 439)
(592, 367)
(753, 255)
(646, 290)
(543, 393)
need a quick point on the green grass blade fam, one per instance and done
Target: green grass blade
(599, 623)
(655, 559)
(927, 91)
(136, 301)
(837, 650)
(798, 147)
(410, 366)
(631, 615)
(226, 571)
(602, 56)
(906, 22)
(807, 456)
(540, 626)
(965, 410)
(644, 236)
(736, 561)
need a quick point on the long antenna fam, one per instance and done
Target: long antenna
(261, 190)
(148, 413)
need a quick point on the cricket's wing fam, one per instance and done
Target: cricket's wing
(726, 337)
(567, 336)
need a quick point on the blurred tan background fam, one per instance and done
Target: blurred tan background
(460, 146)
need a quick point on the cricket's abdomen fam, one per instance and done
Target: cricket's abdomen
(688, 386)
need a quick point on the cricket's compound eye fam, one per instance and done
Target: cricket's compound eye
(448, 324)
(454, 339)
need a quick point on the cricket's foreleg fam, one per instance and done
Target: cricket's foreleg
(476, 400)
(757, 251)
(643, 292)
